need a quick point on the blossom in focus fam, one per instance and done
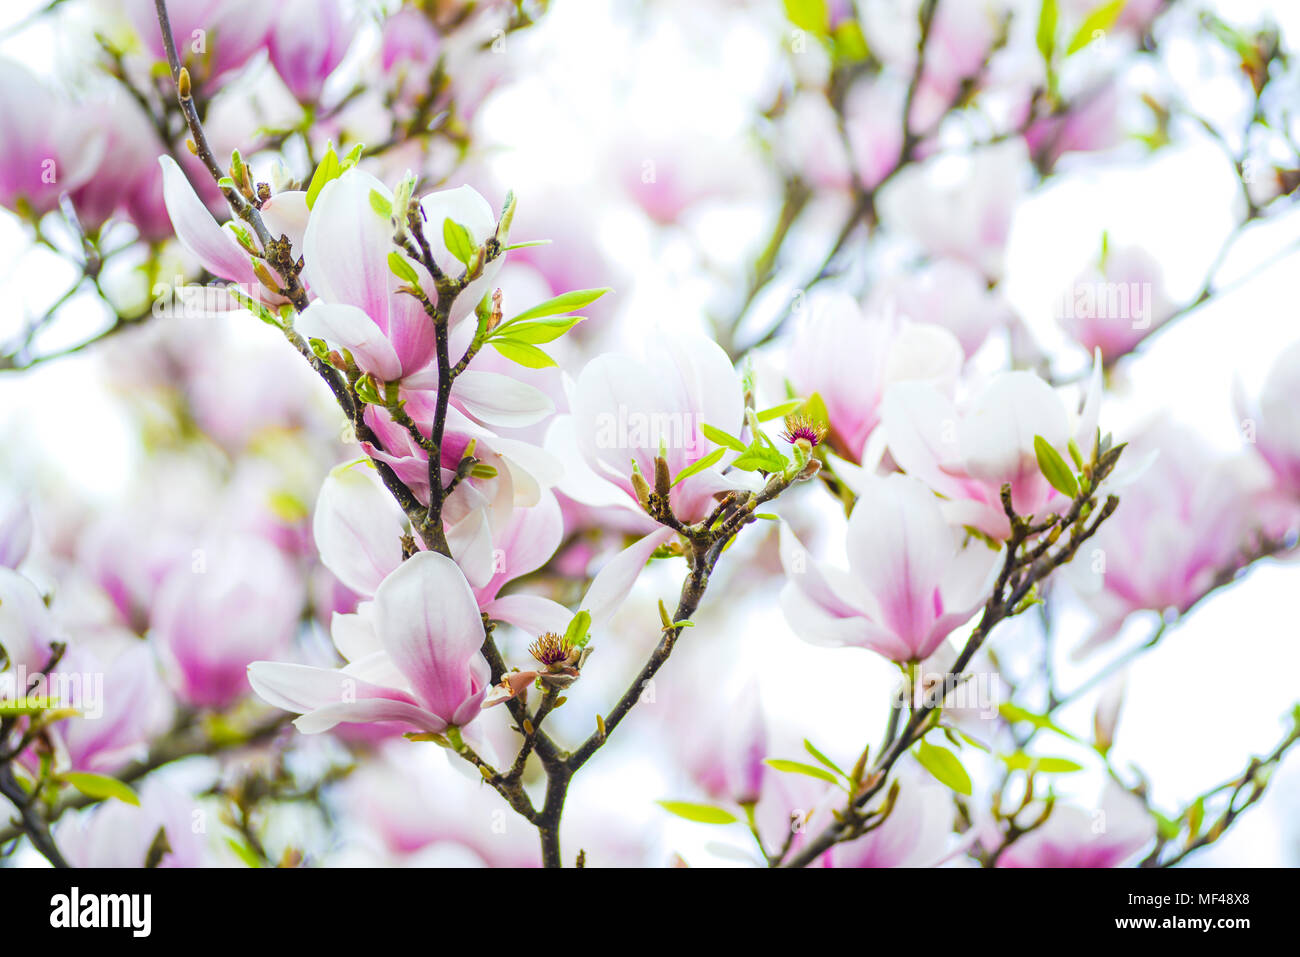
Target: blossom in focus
(967, 452)
(909, 581)
(346, 251)
(413, 657)
(849, 357)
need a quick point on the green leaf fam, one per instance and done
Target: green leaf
(944, 765)
(521, 352)
(566, 302)
(576, 633)
(545, 330)
(700, 465)
(1195, 817)
(402, 269)
(1097, 22)
(244, 852)
(798, 767)
(100, 786)
(812, 749)
(1011, 712)
(327, 169)
(458, 241)
(718, 437)
(780, 411)
(1054, 469)
(533, 242)
(1048, 15)
(699, 813)
(757, 457)
(1019, 761)
(381, 204)
(811, 15)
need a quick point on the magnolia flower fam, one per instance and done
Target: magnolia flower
(849, 357)
(46, 147)
(909, 582)
(127, 181)
(1114, 307)
(917, 833)
(346, 250)
(217, 248)
(414, 658)
(967, 454)
(27, 631)
(1073, 837)
(1180, 526)
(212, 617)
(946, 293)
(213, 37)
(16, 529)
(1092, 125)
(1275, 424)
(959, 206)
(307, 41)
(117, 834)
(358, 528)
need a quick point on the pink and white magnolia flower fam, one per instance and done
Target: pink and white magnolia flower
(414, 658)
(1275, 424)
(46, 147)
(947, 293)
(346, 249)
(1114, 306)
(968, 453)
(16, 530)
(117, 834)
(234, 603)
(215, 246)
(27, 630)
(909, 583)
(917, 833)
(849, 356)
(308, 40)
(1073, 837)
(1180, 525)
(213, 38)
(959, 206)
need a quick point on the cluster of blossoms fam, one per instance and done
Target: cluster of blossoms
(379, 545)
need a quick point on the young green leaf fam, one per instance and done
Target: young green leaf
(700, 465)
(564, 303)
(402, 269)
(544, 330)
(812, 749)
(1054, 469)
(798, 767)
(756, 458)
(944, 765)
(576, 633)
(699, 813)
(327, 169)
(458, 241)
(718, 437)
(381, 204)
(1048, 14)
(780, 411)
(100, 786)
(521, 352)
(1095, 24)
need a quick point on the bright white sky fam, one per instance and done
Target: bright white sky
(1211, 694)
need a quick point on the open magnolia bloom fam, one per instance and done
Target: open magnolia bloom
(359, 307)
(413, 657)
(967, 452)
(909, 583)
